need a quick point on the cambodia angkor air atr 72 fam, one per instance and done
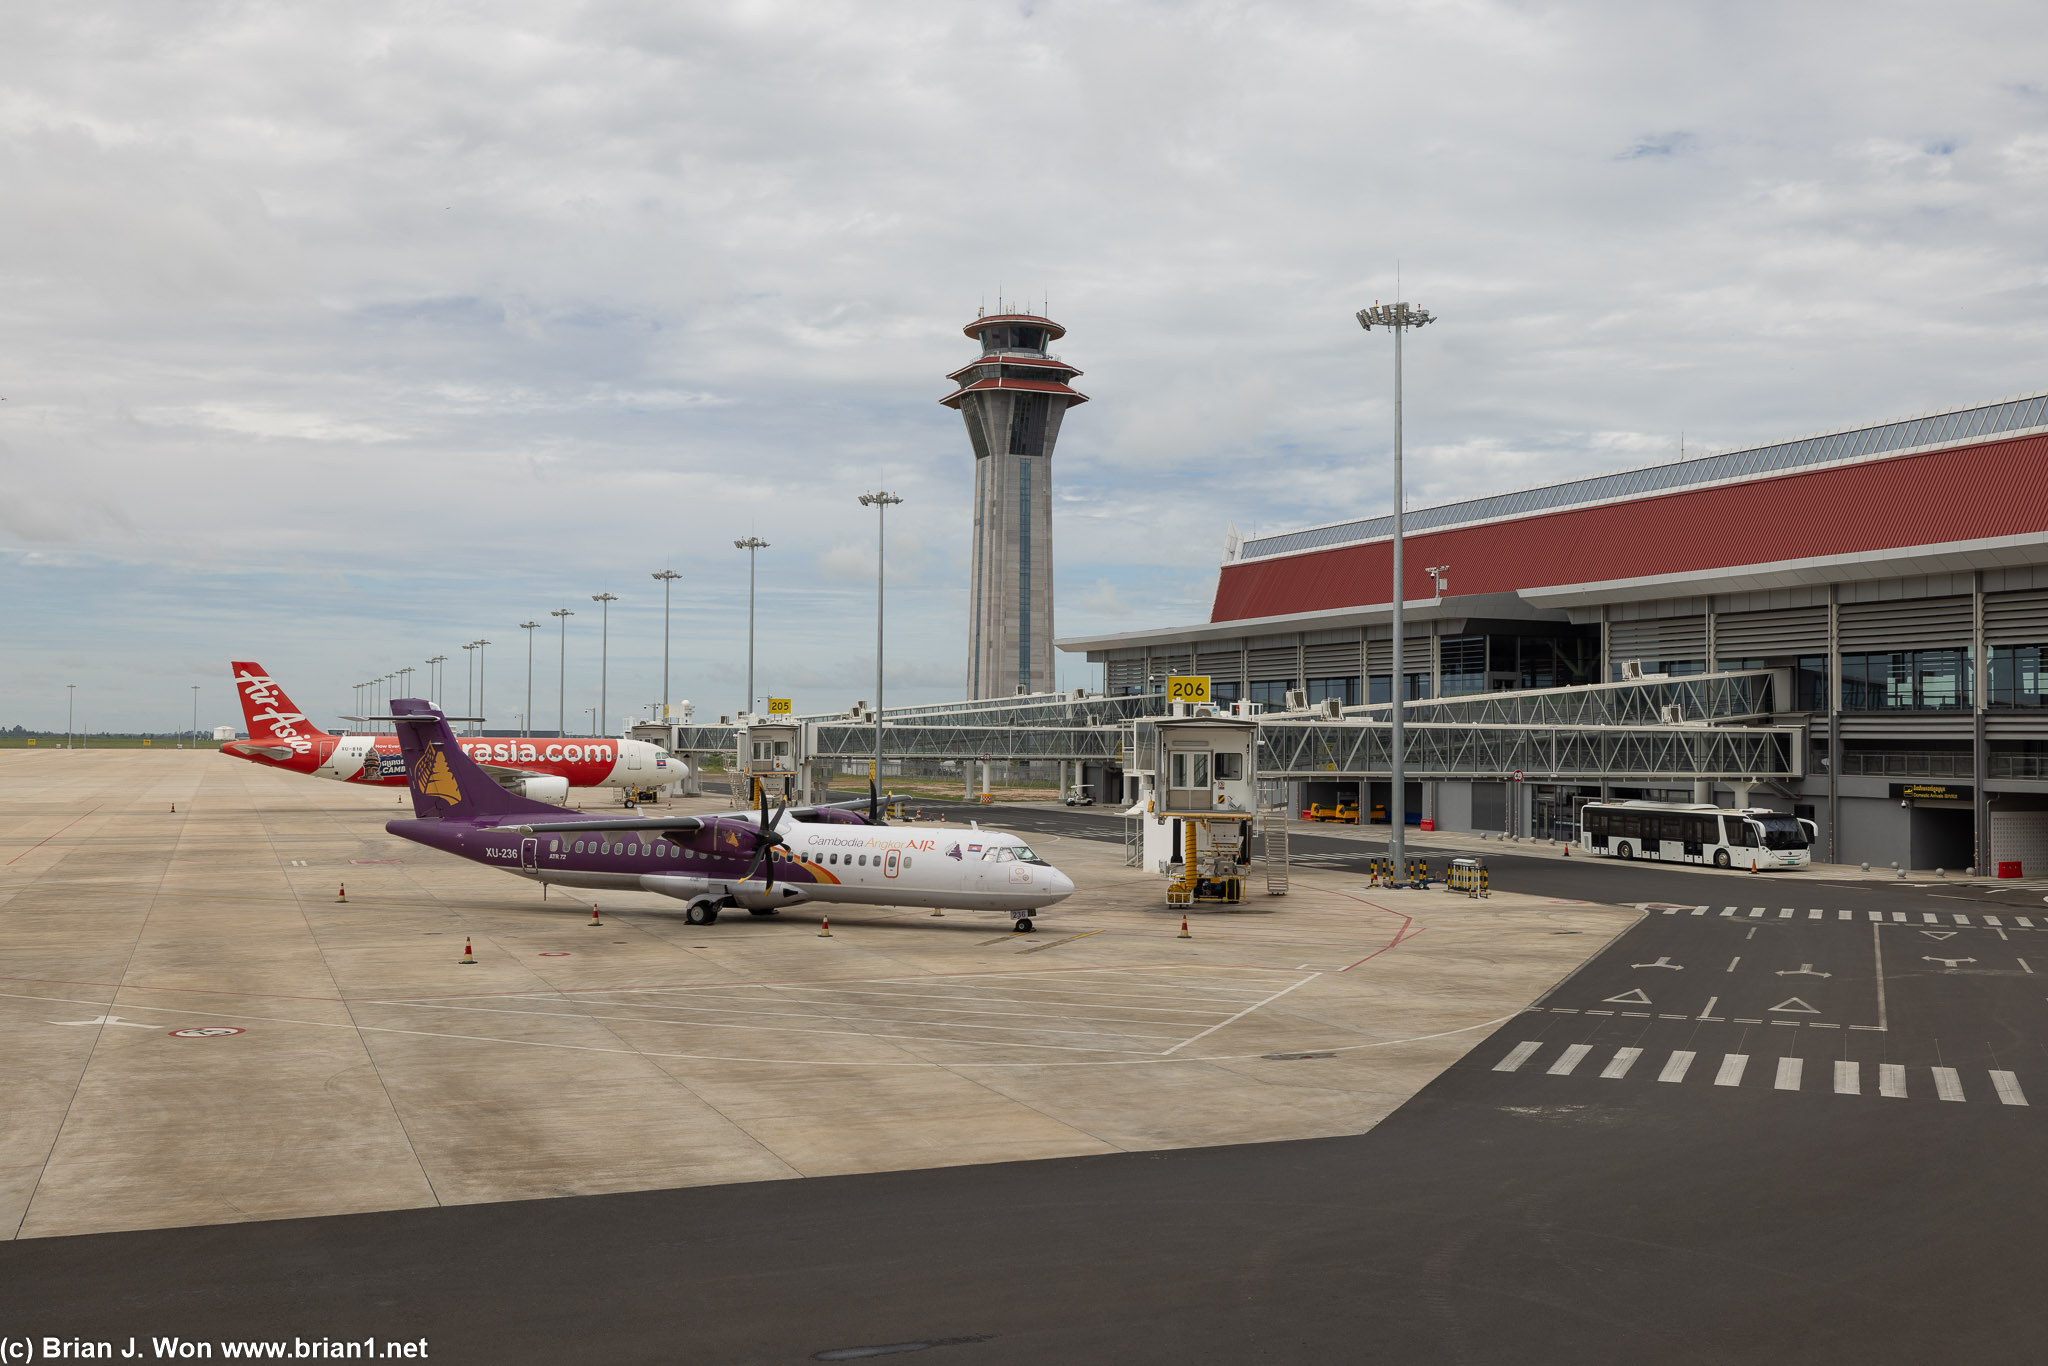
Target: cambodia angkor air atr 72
(715, 863)
(280, 736)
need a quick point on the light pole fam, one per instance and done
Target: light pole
(469, 687)
(562, 614)
(434, 678)
(529, 627)
(475, 726)
(604, 646)
(881, 503)
(1396, 318)
(387, 698)
(668, 578)
(750, 545)
(195, 716)
(70, 710)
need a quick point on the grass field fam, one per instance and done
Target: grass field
(102, 742)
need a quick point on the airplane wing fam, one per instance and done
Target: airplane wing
(683, 824)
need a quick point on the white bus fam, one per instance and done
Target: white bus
(1670, 832)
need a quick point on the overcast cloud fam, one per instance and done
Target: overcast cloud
(337, 336)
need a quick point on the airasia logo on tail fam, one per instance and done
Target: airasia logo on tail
(270, 714)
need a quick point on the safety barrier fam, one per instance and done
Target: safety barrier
(1472, 879)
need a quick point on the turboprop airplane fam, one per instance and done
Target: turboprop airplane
(280, 736)
(713, 863)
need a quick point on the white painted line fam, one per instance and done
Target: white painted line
(1848, 1079)
(1788, 1073)
(2024, 922)
(1891, 1080)
(2008, 1087)
(1518, 1055)
(1960, 920)
(1699, 910)
(1814, 914)
(1731, 1069)
(1874, 915)
(1624, 1058)
(1675, 1065)
(1240, 1015)
(1785, 913)
(1929, 918)
(1755, 912)
(1845, 915)
(1727, 910)
(2022, 961)
(1991, 920)
(1898, 917)
(1569, 1059)
(1599, 1012)
(1733, 961)
(1877, 950)
(1708, 1012)
(1947, 1084)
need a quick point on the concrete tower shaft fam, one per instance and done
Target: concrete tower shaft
(1013, 397)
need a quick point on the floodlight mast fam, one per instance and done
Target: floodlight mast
(1396, 318)
(881, 502)
(751, 544)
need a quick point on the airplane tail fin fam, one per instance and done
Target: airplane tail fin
(443, 780)
(269, 713)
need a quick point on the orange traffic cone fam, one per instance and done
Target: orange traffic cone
(343, 895)
(595, 918)
(174, 808)
(1184, 929)
(468, 954)
(825, 928)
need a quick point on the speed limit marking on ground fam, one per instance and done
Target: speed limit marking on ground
(211, 1032)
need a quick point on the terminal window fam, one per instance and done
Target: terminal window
(1907, 680)
(2019, 676)
(1272, 692)
(1345, 690)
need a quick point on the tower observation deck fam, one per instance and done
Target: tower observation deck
(1012, 397)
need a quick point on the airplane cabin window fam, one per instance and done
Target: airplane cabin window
(906, 857)
(863, 860)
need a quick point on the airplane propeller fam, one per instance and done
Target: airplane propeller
(874, 804)
(766, 838)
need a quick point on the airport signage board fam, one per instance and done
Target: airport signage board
(778, 706)
(1187, 688)
(1932, 792)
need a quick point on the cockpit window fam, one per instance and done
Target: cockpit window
(1025, 855)
(1005, 854)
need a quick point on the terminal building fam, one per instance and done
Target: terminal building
(1893, 576)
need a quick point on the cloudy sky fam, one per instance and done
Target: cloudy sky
(337, 336)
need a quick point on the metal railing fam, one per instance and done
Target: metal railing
(1537, 753)
(2019, 765)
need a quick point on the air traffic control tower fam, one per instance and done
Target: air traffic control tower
(1013, 397)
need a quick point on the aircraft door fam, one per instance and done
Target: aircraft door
(529, 854)
(892, 862)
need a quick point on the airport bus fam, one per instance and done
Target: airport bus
(1671, 832)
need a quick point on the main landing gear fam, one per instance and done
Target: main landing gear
(701, 913)
(1023, 925)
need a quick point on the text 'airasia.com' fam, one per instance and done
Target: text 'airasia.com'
(13, 1349)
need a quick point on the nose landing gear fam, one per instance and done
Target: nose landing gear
(1023, 925)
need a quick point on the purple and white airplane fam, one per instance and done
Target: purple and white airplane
(713, 863)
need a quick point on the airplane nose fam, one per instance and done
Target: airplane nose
(1062, 885)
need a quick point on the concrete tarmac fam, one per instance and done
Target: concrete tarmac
(1710, 1173)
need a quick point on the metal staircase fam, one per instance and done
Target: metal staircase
(1273, 835)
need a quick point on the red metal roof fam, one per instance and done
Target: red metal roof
(952, 400)
(1964, 493)
(997, 358)
(973, 329)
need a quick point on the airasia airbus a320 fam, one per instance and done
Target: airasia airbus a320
(280, 736)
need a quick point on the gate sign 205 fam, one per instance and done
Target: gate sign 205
(1187, 688)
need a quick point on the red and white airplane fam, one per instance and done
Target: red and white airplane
(280, 736)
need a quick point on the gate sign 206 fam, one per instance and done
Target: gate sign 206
(1187, 688)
